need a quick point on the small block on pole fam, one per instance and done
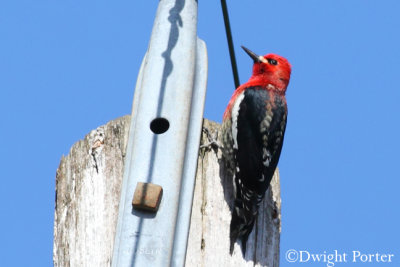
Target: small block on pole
(147, 197)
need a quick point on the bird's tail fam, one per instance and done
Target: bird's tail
(241, 226)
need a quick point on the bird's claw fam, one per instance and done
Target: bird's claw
(212, 140)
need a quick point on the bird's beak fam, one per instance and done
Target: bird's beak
(255, 57)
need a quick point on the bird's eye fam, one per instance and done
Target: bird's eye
(272, 61)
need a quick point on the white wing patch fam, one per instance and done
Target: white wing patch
(235, 114)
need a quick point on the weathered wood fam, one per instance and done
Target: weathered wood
(88, 184)
(87, 197)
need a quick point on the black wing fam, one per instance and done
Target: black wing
(261, 123)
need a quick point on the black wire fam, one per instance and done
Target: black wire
(230, 43)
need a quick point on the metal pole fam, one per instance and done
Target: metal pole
(164, 140)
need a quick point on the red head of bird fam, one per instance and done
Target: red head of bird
(270, 69)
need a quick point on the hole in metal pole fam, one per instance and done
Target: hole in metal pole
(159, 125)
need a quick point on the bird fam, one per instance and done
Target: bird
(253, 129)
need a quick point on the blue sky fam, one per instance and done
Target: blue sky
(67, 67)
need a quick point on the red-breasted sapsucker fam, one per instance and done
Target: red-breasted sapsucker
(253, 129)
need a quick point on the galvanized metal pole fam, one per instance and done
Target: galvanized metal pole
(164, 140)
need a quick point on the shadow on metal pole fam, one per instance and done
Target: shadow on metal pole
(164, 140)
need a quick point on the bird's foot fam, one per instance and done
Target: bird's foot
(212, 140)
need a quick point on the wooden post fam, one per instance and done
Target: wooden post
(88, 184)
